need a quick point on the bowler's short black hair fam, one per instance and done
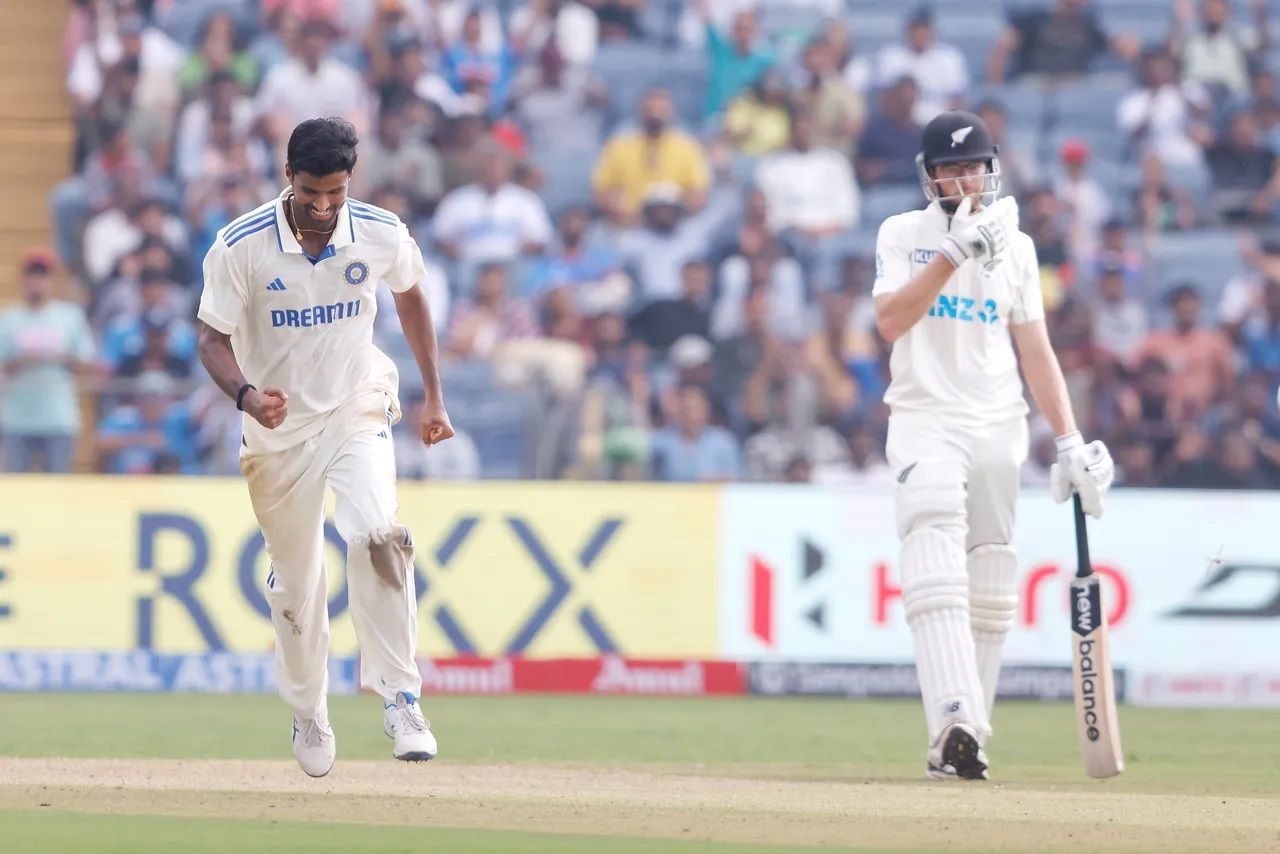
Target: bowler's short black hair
(323, 146)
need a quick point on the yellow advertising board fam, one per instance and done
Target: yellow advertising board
(536, 569)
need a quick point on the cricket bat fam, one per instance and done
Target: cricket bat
(1095, 690)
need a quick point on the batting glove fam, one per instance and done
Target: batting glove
(981, 236)
(1086, 469)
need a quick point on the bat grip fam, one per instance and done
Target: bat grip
(1084, 566)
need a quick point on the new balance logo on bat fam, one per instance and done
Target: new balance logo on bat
(276, 285)
(1086, 611)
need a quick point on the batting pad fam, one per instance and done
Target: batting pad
(935, 592)
(993, 605)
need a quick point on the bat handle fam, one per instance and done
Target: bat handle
(1084, 566)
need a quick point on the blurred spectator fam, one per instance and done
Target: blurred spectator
(44, 343)
(864, 465)
(1201, 362)
(311, 83)
(492, 219)
(1242, 296)
(619, 19)
(151, 436)
(888, 149)
(759, 120)
(561, 108)
(469, 63)
(746, 366)
(1114, 404)
(854, 67)
(445, 21)
(461, 149)
(833, 347)
(736, 63)
(561, 28)
(657, 251)
(126, 336)
(663, 321)
(1234, 464)
(1246, 180)
(1135, 461)
(781, 276)
(156, 355)
(119, 230)
(447, 461)
(1267, 115)
(810, 193)
(1160, 205)
(1115, 251)
(222, 94)
(1042, 221)
(939, 70)
(1083, 200)
(1156, 421)
(1262, 335)
(114, 40)
(218, 51)
(1216, 54)
(1120, 322)
(398, 155)
(1164, 117)
(692, 449)
(787, 436)
(574, 260)
(632, 163)
(495, 316)
(1064, 38)
(838, 109)
(1016, 172)
(115, 170)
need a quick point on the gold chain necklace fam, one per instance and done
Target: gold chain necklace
(292, 218)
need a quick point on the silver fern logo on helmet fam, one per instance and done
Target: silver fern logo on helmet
(960, 136)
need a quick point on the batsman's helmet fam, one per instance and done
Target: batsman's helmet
(958, 136)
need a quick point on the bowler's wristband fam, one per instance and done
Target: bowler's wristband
(240, 395)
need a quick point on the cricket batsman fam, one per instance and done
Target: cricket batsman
(954, 284)
(286, 330)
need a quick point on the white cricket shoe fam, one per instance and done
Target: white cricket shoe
(957, 755)
(314, 745)
(403, 722)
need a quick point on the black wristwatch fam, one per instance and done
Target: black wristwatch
(240, 395)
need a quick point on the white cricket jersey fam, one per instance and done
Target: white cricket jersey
(302, 324)
(958, 360)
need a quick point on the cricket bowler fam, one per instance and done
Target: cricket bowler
(954, 284)
(286, 330)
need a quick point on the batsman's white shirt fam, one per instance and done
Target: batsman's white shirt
(958, 360)
(304, 324)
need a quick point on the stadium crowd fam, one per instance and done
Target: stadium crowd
(650, 224)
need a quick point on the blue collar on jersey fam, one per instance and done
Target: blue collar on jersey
(329, 252)
(344, 233)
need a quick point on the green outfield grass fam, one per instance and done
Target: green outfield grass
(76, 833)
(694, 755)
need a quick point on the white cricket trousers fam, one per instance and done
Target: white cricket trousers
(352, 456)
(954, 502)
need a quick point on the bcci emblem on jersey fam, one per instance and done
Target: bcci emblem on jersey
(356, 273)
